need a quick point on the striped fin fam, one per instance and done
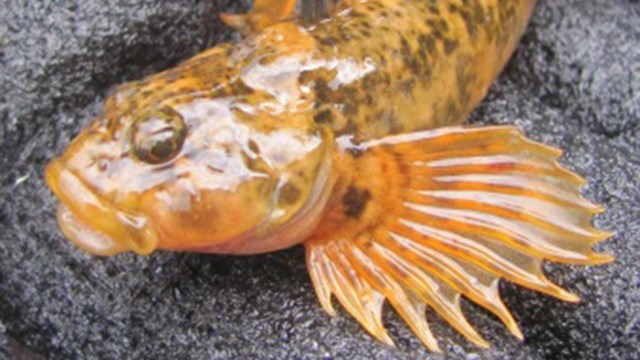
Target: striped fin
(425, 218)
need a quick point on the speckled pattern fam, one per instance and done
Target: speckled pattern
(199, 153)
(425, 63)
(571, 84)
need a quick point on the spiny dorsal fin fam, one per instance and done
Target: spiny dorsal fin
(314, 11)
(264, 13)
(428, 217)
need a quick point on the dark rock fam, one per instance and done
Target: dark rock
(574, 83)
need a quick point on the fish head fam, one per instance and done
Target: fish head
(191, 173)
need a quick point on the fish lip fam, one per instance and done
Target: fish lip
(92, 223)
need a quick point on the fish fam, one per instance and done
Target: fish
(338, 127)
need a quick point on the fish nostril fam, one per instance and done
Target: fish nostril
(103, 165)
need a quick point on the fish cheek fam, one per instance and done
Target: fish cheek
(186, 221)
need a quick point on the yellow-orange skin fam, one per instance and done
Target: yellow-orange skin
(288, 141)
(375, 68)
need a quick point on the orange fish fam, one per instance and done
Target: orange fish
(341, 133)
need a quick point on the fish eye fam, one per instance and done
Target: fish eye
(158, 137)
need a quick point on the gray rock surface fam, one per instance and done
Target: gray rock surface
(574, 83)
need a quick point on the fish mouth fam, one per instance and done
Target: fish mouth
(92, 223)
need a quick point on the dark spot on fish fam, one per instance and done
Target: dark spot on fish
(427, 43)
(350, 109)
(289, 194)
(254, 147)
(450, 46)
(323, 92)
(306, 77)
(355, 152)
(452, 110)
(469, 22)
(324, 117)
(355, 201)
(146, 93)
(329, 41)
(406, 87)
(368, 100)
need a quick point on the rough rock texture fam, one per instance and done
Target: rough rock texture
(574, 83)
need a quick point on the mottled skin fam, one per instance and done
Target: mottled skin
(322, 134)
(433, 61)
(375, 68)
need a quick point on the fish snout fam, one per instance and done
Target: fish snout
(91, 222)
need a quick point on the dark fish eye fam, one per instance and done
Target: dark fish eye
(158, 137)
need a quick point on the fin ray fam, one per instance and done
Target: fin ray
(436, 294)
(513, 184)
(524, 273)
(470, 281)
(412, 311)
(357, 296)
(534, 240)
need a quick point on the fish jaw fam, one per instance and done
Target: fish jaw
(91, 223)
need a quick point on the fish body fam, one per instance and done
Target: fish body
(337, 135)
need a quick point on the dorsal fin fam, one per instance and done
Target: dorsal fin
(314, 11)
(263, 13)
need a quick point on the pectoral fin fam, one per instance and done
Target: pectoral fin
(424, 218)
(264, 13)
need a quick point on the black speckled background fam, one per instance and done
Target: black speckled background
(574, 83)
